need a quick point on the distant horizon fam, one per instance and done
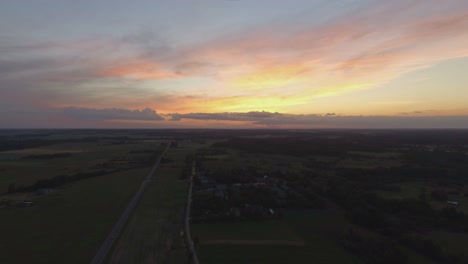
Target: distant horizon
(253, 129)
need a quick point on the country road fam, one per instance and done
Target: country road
(192, 251)
(109, 241)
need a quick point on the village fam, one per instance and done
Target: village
(242, 194)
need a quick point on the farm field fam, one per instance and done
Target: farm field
(74, 190)
(413, 190)
(153, 233)
(315, 234)
(381, 197)
(70, 223)
(24, 167)
(308, 196)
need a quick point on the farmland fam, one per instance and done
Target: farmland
(352, 197)
(69, 223)
(314, 243)
(70, 217)
(258, 196)
(153, 233)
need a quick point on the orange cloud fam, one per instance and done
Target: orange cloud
(272, 76)
(137, 69)
(288, 66)
(359, 51)
(242, 103)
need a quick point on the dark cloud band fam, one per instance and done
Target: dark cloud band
(112, 114)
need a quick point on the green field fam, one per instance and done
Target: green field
(414, 189)
(70, 223)
(85, 157)
(318, 229)
(153, 233)
(251, 230)
(451, 242)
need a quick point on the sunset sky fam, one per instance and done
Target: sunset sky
(234, 64)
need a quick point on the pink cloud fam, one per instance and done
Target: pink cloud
(268, 67)
(360, 51)
(136, 69)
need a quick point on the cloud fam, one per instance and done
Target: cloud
(136, 69)
(249, 116)
(330, 120)
(419, 112)
(150, 118)
(112, 114)
(272, 66)
(351, 52)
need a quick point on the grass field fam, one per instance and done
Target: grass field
(451, 242)
(414, 189)
(84, 157)
(69, 224)
(260, 230)
(318, 229)
(153, 233)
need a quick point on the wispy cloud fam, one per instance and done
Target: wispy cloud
(136, 69)
(355, 52)
(273, 67)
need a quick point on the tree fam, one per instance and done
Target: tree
(11, 188)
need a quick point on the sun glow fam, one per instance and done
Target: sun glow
(241, 104)
(271, 77)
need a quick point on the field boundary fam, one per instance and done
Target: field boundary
(114, 233)
(298, 243)
(189, 242)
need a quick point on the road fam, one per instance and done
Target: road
(192, 251)
(107, 245)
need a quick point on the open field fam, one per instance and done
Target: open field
(232, 254)
(311, 236)
(452, 242)
(153, 233)
(412, 190)
(298, 243)
(77, 186)
(18, 167)
(68, 224)
(265, 230)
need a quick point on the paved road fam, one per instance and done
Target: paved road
(192, 251)
(106, 246)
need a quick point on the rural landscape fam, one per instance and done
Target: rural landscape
(234, 132)
(257, 196)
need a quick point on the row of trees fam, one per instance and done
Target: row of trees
(103, 168)
(56, 181)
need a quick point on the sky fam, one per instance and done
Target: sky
(233, 64)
